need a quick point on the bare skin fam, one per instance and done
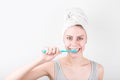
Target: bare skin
(75, 66)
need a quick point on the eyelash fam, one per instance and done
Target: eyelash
(80, 38)
(69, 38)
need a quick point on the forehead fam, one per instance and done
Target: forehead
(75, 30)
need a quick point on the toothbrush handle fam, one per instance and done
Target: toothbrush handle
(73, 51)
(44, 51)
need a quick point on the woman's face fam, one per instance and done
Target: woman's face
(75, 38)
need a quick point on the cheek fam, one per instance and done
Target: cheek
(83, 43)
(66, 43)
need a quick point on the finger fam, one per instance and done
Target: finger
(54, 50)
(57, 51)
(49, 51)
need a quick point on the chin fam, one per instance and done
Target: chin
(75, 55)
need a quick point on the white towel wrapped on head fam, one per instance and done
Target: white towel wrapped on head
(75, 16)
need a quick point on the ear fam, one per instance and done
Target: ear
(86, 39)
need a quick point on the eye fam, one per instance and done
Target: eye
(69, 38)
(79, 38)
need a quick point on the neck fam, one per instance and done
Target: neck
(80, 60)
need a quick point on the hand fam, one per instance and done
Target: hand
(50, 54)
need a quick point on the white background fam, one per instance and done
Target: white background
(28, 25)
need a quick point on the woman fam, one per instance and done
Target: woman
(74, 66)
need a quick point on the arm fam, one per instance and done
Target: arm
(36, 69)
(100, 72)
(26, 70)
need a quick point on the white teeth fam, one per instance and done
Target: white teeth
(74, 49)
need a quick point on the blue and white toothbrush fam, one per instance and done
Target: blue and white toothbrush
(72, 51)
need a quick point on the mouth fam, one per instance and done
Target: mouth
(77, 49)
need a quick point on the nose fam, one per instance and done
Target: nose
(74, 43)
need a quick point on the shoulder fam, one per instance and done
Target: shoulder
(100, 69)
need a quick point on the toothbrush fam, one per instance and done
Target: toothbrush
(72, 51)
